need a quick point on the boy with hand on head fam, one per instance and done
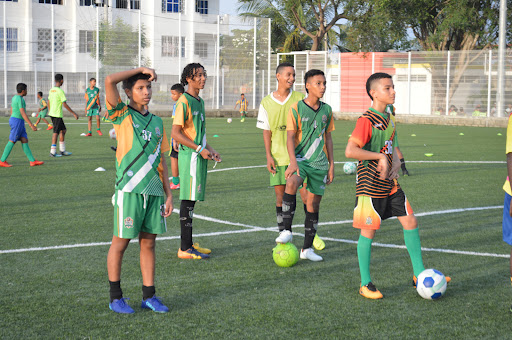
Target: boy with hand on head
(92, 106)
(243, 107)
(189, 130)
(309, 127)
(378, 194)
(176, 92)
(43, 111)
(142, 181)
(56, 100)
(18, 131)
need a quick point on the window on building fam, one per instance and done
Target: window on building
(171, 6)
(44, 40)
(135, 4)
(202, 6)
(52, 2)
(121, 3)
(11, 38)
(201, 49)
(98, 3)
(86, 41)
(171, 45)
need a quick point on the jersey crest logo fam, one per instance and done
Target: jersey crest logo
(130, 173)
(157, 131)
(128, 222)
(369, 220)
(305, 119)
(324, 119)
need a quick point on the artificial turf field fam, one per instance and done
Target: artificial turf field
(54, 289)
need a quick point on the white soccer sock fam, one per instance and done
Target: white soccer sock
(62, 146)
(53, 149)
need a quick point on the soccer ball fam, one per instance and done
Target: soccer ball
(349, 168)
(431, 284)
(112, 133)
(34, 114)
(285, 254)
(230, 120)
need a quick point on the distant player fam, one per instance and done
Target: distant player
(272, 119)
(43, 111)
(507, 207)
(141, 182)
(56, 100)
(18, 131)
(92, 106)
(390, 110)
(176, 91)
(309, 143)
(243, 107)
(378, 193)
(189, 130)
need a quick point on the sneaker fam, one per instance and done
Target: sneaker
(192, 253)
(155, 305)
(174, 186)
(285, 236)
(36, 163)
(309, 254)
(201, 250)
(370, 292)
(66, 153)
(414, 280)
(5, 164)
(88, 134)
(49, 128)
(318, 243)
(99, 132)
(120, 306)
(405, 173)
(55, 155)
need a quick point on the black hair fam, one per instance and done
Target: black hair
(21, 87)
(283, 65)
(373, 78)
(178, 87)
(59, 77)
(312, 73)
(40, 93)
(92, 79)
(128, 83)
(242, 94)
(190, 72)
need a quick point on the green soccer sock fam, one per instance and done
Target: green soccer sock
(175, 180)
(364, 252)
(413, 244)
(26, 150)
(7, 151)
(89, 131)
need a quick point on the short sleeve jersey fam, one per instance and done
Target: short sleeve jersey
(141, 140)
(43, 105)
(508, 149)
(390, 110)
(92, 98)
(56, 97)
(273, 115)
(17, 103)
(310, 126)
(374, 132)
(190, 115)
(243, 104)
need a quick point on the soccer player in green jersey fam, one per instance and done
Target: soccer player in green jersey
(309, 126)
(43, 111)
(243, 107)
(18, 131)
(92, 106)
(189, 130)
(272, 116)
(141, 182)
(56, 100)
(176, 92)
(378, 194)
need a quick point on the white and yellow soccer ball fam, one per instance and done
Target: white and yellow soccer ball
(350, 168)
(431, 284)
(112, 133)
(34, 114)
(230, 120)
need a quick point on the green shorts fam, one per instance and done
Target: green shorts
(193, 170)
(42, 114)
(315, 178)
(93, 112)
(134, 213)
(278, 178)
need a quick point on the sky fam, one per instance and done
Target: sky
(228, 7)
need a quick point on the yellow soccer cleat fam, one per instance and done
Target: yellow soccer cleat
(318, 243)
(192, 253)
(201, 250)
(370, 292)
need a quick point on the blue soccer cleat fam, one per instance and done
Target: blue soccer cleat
(155, 305)
(120, 306)
(66, 153)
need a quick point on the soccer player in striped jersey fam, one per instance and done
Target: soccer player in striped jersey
(176, 92)
(243, 107)
(189, 130)
(309, 143)
(507, 206)
(378, 194)
(142, 197)
(92, 106)
(43, 110)
(390, 110)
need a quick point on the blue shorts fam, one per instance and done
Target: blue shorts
(507, 220)
(17, 129)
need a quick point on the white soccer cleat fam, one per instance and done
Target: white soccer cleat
(285, 236)
(309, 254)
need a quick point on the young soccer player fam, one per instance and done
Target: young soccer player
(43, 111)
(142, 181)
(390, 110)
(378, 194)
(309, 128)
(176, 91)
(272, 119)
(188, 130)
(92, 106)
(18, 131)
(507, 187)
(56, 100)
(243, 107)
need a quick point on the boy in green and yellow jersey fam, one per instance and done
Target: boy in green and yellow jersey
(243, 107)
(43, 110)
(92, 106)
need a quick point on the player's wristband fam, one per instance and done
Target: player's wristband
(201, 149)
(198, 147)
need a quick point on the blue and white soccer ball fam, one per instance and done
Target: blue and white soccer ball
(431, 284)
(350, 168)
